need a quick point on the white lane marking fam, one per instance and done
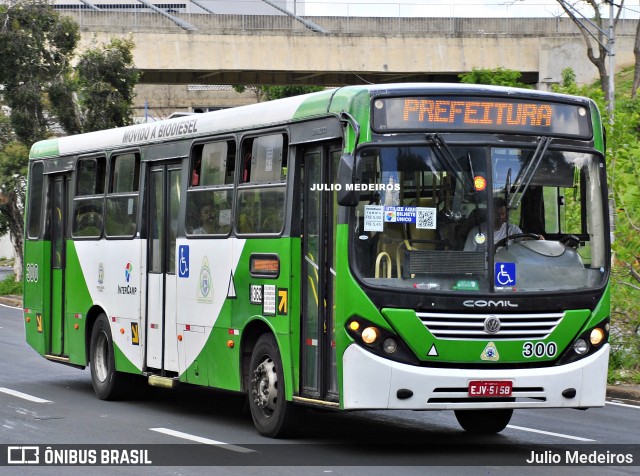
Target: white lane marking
(559, 435)
(624, 405)
(10, 307)
(200, 439)
(25, 396)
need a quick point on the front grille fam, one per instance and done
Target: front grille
(472, 326)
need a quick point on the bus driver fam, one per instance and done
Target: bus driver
(477, 237)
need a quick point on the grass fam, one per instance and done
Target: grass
(8, 286)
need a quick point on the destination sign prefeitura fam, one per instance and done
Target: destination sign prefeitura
(481, 114)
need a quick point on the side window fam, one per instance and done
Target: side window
(36, 184)
(262, 188)
(210, 194)
(89, 199)
(122, 198)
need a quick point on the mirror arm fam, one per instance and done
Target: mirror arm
(347, 118)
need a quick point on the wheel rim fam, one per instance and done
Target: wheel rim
(100, 358)
(265, 386)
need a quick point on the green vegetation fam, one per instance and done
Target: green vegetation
(623, 150)
(42, 89)
(269, 93)
(496, 77)
(9, 287)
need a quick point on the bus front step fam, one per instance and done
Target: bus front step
(164, 382)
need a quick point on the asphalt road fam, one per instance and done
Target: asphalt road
(44, 404)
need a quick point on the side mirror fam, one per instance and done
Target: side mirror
(348, 181)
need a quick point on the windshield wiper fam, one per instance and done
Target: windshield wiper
(445, 154)
(525, 176)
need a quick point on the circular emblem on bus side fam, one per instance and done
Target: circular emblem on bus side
(491, 325)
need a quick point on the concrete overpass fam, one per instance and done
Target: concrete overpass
(258, 49)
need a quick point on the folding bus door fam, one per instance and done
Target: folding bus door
(163, 208)
(319, 210)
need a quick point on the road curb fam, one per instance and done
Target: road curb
(625, 393)
(13, 301)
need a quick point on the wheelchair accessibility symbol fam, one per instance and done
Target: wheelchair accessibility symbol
(505, 275)
(183, 261)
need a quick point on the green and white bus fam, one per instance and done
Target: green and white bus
(333, 250)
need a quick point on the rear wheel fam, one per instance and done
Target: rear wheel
(107, 383)
(484, 422)
(272, 414)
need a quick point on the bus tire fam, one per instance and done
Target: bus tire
(107, 383)
(272, 414)
(484, 422)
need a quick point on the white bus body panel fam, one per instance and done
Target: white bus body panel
(371, 382)
(201, 296)
(115, 275)
(154, 320)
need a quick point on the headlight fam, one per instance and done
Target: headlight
(379, 340)
(580, 347)
(390, 345)
(370, 335)
(587, 343)
(597, 336)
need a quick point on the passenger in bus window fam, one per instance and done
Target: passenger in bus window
(207, 221)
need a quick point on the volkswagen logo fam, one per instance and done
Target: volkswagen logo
(491, 325)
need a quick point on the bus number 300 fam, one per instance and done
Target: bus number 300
(32, 273)
(539, 349)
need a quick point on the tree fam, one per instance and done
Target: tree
(41, 90)
(279, 92)
(99, 93)
(36, 48)
(623, 148)
(590, 36)
(13, 169)
(636, 72)
(498, 77)
(106, 79)
(269, 93)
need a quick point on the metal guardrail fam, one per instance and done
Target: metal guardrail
(208, 23)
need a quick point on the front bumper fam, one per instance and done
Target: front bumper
(372, 382)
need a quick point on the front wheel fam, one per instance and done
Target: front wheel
(272, 414)
(107, 383)
(484, 422)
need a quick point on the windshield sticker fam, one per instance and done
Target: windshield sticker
(422, 217)
(373, 218)
(426, 218)
(505, 275)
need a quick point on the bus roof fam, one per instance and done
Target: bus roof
(306, 106)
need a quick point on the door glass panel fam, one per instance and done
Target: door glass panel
(156, 230)
(331, 282)
(57, 222)
(313, 242)
(174, 209)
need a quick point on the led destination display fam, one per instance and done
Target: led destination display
(480, 114)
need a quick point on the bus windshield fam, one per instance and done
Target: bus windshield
(480, 218)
